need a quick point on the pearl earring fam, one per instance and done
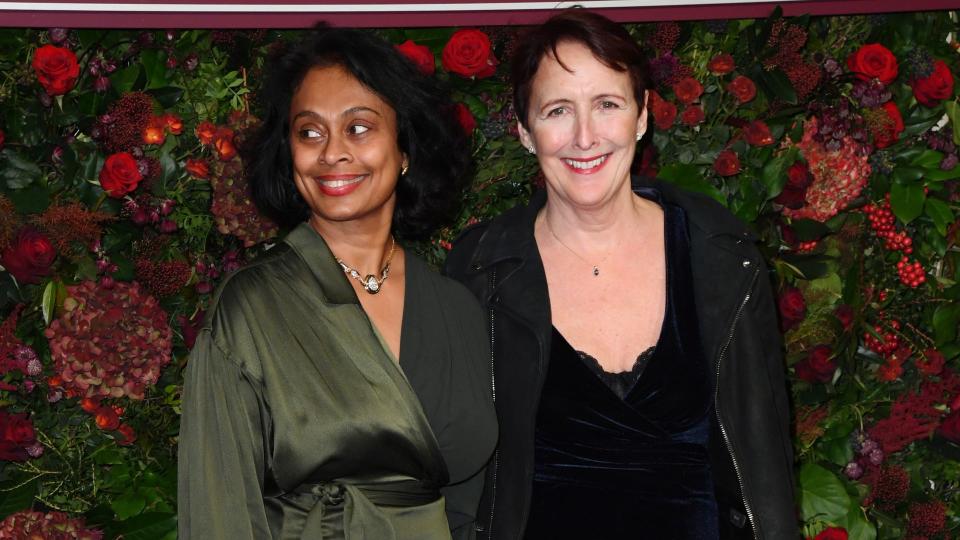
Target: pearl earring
(639, 135)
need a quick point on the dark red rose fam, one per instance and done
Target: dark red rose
(120, 174)
(664, 112)
(727, 163)
(931, 90)
(832, 533)
(950, 427)
(687, 90)
(818, 366)
(757, 133)
(931, 362)
(794, 192)
(721, 64)
(198, 168)
(56, 69)
(873, 61)
(465, 119)
(742, 88)
(793, 307)
(206, 132)
(648, 162)
(127, 435)
(107, 418)
(223, 144)
(886, 132)
(692, 115)
(190, 328)
(3, 137)
(29, 256)
(16, 434)
(468, 53)
(420, 55)
(844, 314)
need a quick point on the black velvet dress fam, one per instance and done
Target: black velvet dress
(625, 455)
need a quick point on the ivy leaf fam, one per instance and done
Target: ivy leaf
(940, 213)
(945, 320)
(906, 200)
(953, 112)
(19, 172)
(857, 525)
(689, 177)
(128, 505)
(822, 495)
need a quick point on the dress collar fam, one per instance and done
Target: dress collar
(313, 249)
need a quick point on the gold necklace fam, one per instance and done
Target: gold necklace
(596, 268)
(370, 283)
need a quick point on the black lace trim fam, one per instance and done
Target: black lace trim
(623, 382)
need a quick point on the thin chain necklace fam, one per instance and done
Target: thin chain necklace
(370, 283)
(596, 267)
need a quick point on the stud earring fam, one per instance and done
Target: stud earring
(532, 150)
(404, 169)
(639, 135)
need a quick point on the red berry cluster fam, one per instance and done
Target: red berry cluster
(890, 340)
(911, 274)
(882, 222)
(807, 247)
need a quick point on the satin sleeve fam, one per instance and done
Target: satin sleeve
(221, 455)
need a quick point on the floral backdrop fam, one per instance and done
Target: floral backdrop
(123, 204)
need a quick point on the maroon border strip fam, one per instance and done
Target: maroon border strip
(92, 19)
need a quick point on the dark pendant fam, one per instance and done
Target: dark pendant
(596, 271)
(370, 284)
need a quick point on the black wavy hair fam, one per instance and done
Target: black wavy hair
(431, 192)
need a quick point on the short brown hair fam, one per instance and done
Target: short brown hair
(609, 42)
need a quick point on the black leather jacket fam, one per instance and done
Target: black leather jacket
(751, 450)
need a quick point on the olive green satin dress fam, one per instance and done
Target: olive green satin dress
(298, 422)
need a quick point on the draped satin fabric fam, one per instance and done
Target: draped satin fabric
(299, 423)
(635, 466)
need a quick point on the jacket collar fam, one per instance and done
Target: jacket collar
(510, 236)
(314, 251)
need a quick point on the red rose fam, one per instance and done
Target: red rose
(465, 119)
(153, 133)
(931, 363)
(692, 115)
(90, 405)
(844, 314)
(2, 138)
(742, 88)
(727, 163)
(887, 131)
(420, 55)
(468, 53)
(934, 88)
(223, 144)
(29, 257)
(818, 366)
(128, 435)
(198, 168)
(950, 427)
(794, 192)
(832, 533)
(873, 61)
(664, 112)
(721, 64)
(16, 433)
(206, 132)
(793, 307)
(758, 134)
(107, 418)
(56, 69)
(120, 174)
(173, 123)
(687, 90)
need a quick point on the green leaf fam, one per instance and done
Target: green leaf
(690, 177)
(148, 526)
(945, 320)
(839, 451)
(940, 213)
(774, 175)
(929, 159)
(774, 84)
(155, 69)
(906, 200)
(857, 525)
(31, 200)
(18, 172)
(953, 112)
(14, 497)
(939, 175)
(49, 303)
(809, 229)
(128, 505)
(124, 79)
(166, 96)
(822, 495)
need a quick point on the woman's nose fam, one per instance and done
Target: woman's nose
(585, 136)
(335, 151)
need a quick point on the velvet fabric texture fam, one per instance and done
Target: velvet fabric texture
(637, 465)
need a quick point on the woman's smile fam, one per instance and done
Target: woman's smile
(337, 185)
(588, 165)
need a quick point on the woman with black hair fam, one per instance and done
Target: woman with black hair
(339, 387)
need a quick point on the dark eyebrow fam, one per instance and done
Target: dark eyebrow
(351, 110)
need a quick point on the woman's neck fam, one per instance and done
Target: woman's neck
(601, 229)
(361, 244)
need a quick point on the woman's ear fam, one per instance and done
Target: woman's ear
(526, 139)
(642, 119)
